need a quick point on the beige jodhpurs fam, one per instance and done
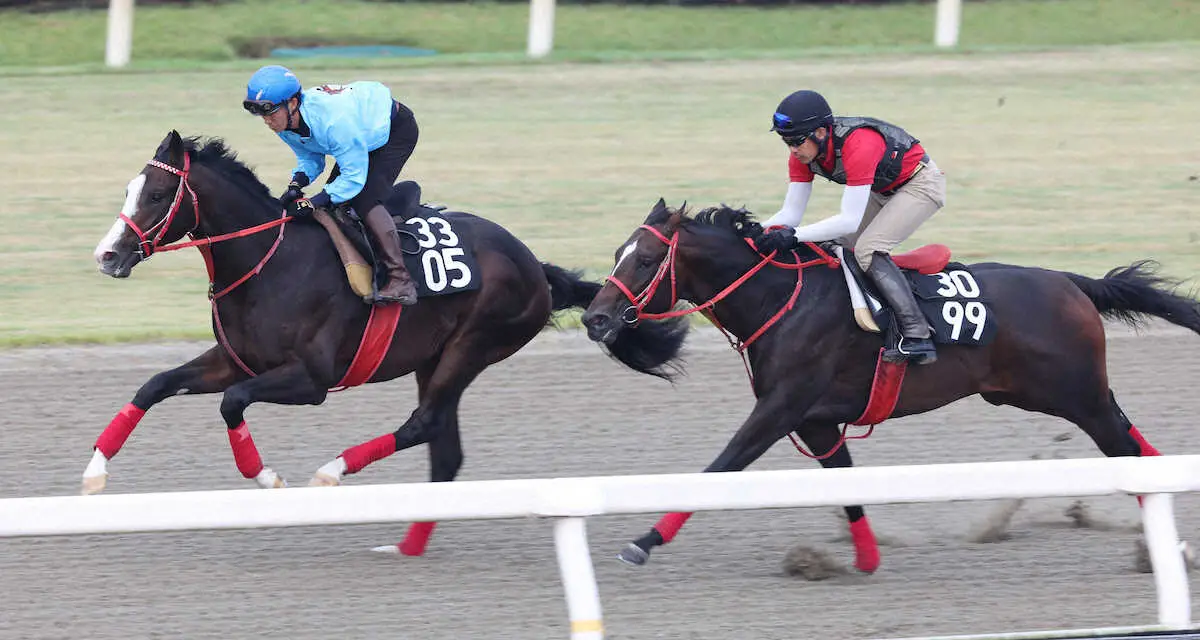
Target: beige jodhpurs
(890, 220)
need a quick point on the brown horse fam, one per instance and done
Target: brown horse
(289, 325)
(813, 368)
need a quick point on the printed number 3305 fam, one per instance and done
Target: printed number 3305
(439, 262)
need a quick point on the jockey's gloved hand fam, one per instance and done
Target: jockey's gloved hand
(295, 190)
(292, 194)
(301, 208)
(782, 239)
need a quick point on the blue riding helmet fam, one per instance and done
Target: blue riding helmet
(269, 87)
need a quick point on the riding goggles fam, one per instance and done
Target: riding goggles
(260, 107)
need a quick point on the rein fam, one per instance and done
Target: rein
(148, 247)
(667, 266)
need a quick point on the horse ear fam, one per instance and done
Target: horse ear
(175, 149)
(170, 150)
(659, 209)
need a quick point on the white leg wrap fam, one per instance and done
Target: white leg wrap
(335, 469)
(268, 479)
(98, 466)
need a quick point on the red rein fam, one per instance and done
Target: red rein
(147, 247)
(667, 266)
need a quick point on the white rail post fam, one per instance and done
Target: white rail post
(119, 45)
(541, 28)
(579, 579)
(1170, 575)
(949, 18)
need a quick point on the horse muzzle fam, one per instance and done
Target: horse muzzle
(118, 264)
(601, 327)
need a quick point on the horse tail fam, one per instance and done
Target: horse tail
(1129, 294)
(649, 347)
(568, 289)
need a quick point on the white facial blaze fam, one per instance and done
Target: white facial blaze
(625, 253)
(132, 193)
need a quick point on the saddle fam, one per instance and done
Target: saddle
(353, 244)
(869, 306)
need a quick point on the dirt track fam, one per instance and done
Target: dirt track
(559, 409)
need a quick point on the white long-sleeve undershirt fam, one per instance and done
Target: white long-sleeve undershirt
(794, 205)
(854, 206)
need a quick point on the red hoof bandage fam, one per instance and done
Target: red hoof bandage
(359, 456)
(245, 454)
(866, 550)
(117, 432)
(417, 539)
(670, 525)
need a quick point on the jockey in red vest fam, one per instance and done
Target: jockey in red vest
(892, 187)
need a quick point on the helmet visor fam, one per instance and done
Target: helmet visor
(260, 107)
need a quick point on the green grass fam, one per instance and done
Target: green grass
(206, 34)
(1079, 160)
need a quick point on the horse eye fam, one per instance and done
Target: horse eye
(157, 196)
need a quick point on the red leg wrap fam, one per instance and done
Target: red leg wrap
(670, 525)
(114, 435)
(417, 539)
(866, 550)
(245, 454)
(1147, 448)
(364, 454)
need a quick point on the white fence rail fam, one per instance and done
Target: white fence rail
(540, 42)
(572, 499)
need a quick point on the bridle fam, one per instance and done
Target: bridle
(638, 305)
(636, 312)
(148, 246)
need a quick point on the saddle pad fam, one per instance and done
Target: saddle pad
(955, 305)
(439, 254)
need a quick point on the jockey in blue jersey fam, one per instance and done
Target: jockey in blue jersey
(370, 136)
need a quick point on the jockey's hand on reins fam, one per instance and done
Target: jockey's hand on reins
(301, 208)
(294, 192)
(783, 239)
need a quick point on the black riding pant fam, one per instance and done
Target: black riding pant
(384, 164)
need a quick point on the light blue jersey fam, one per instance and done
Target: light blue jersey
(346, 122)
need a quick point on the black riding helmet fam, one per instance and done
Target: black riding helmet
(799, 115)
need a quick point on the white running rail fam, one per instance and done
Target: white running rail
(573, 499)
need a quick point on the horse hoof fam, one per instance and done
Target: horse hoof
(323, 480)
(633, 555)
(387, 548)
(280, 483)
(94, 484)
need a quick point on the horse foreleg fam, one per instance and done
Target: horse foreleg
(289, 384)
(209, 373)
(821, 438)
(766, 425)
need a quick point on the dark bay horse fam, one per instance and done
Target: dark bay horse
(812, 370)
(284, 310)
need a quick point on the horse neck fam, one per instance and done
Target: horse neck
(708, 270)
(224, 209)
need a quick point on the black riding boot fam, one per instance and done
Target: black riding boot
(399, 286)
(914, 344)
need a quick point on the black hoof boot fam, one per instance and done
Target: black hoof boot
(633, 555)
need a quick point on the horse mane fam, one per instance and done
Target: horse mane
(739, 222)
(216, 155)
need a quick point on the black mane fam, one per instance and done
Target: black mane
(739, 221)
(214, 154)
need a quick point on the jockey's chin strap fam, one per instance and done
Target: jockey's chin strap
(149, 246)
(637, 311)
